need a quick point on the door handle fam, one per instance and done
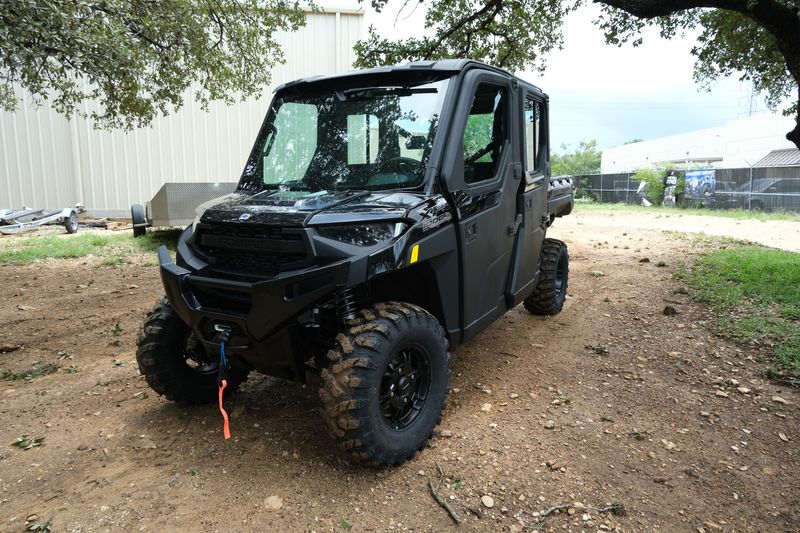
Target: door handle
(471, 232)
(516, 171)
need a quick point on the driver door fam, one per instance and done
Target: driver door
(483, 181)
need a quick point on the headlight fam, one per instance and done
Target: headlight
(363, 234)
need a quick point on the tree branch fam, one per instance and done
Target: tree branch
(497, 4)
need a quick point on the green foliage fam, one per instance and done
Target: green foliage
(31, 373)
(514, 34)
(583, 160)
(680, 186)
(731, 44)
(477, 134)
(137, 58)
(115, 332)
(26, 442)
(655, 183)
(40, 527)
(757, 292)
(457, 483)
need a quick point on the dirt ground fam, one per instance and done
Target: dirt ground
(676, 424)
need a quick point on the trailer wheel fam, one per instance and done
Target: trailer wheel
(71, 222)
(174, 364)
(551, 291)
(138, 220)
(385, 387)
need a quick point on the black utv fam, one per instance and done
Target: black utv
(384, 217)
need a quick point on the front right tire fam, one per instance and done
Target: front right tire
(174, 363)
(384, 389)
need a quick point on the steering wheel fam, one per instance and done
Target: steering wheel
(405, 165)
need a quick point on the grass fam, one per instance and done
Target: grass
(756, 292)
(111, 248)
(31, 373)
(703, 238)
(740, 214)
(26, 442)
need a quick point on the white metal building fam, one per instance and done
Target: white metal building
(740, 143)
(48, 161)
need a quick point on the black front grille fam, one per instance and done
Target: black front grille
(253, 250)
(222, 300)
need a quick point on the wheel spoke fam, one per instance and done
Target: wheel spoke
(404, 387)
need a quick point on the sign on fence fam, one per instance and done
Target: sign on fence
(700, 184)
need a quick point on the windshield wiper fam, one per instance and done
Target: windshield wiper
(371, 92)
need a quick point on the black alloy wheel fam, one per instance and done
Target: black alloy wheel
(405, 387)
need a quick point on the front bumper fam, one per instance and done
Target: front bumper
(257, 309)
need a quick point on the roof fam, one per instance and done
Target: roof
(780, 158)
(419, 69)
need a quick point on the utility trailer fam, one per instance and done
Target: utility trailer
(174, 204)
(16, 221)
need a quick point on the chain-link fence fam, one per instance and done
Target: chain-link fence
(754, 188)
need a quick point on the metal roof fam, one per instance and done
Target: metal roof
(419, 68)
(780, 158)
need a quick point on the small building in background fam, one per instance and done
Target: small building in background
(49, 161)
(787, 157)
(740, 143)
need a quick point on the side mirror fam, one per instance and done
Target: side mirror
(416, 142)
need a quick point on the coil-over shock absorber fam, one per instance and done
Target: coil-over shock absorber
(346, 305)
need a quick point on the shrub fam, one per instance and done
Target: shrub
(655, 184)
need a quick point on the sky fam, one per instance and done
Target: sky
(610, 94)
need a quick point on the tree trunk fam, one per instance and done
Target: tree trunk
(794, 135)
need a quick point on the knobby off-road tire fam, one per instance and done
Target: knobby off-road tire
(392, 351)
(548, 296)
(174, 364)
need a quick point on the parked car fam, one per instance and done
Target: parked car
(769, 194)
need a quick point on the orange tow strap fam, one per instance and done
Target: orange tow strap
(226, 428)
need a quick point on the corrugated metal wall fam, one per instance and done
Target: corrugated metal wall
(48, 161)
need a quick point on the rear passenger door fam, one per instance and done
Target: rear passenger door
(532, 196)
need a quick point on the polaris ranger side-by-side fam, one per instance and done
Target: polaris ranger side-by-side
(384, 216)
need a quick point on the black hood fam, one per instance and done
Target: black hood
(300, 208)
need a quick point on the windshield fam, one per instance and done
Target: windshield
(363, 138)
